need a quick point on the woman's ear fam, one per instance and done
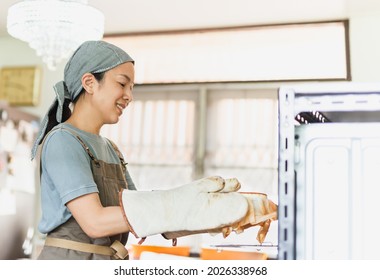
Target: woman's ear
(88, 82)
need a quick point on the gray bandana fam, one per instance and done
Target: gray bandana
(90, 57)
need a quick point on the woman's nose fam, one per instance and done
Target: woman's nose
(128, 95)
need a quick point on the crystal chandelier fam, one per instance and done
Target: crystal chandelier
(54, 28)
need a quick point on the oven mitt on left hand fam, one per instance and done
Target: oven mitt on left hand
(261, 212)
(204, 204)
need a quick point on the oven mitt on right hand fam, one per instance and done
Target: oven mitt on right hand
(207, 203)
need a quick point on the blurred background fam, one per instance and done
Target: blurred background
(208, 74)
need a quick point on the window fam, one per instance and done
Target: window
(242, 137)
(303, 51)
(156, 134)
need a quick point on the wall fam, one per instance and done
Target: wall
(364, 45)
(17, 53)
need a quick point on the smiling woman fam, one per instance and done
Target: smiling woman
(88, 199)
(108, 98)
(78, 206)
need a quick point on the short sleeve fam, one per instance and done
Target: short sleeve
(67, 165)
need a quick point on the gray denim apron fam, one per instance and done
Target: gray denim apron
(110, 179)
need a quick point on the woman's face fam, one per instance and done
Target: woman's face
(114, 92)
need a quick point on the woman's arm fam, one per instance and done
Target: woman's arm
(95, 220)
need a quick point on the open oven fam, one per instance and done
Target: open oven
(329, 171)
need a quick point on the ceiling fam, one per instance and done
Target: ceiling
(125, 16)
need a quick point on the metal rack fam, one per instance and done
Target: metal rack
(325, 111)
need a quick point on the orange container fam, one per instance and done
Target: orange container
(221, 254)
(174, 250)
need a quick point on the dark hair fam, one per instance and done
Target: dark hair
(98, 76)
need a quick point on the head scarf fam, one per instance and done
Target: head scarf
(90, 57)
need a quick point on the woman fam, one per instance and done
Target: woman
(88, 199)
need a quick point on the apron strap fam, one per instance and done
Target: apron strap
(119, 154)
(116, 250)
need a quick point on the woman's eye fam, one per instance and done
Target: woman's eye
(122, 85)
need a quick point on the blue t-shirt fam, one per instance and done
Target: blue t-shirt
(66, 172)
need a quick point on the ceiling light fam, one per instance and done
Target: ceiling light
(54, 28)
